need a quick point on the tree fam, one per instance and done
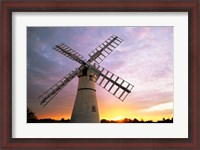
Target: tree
(104, 121)
(135, 120)
(31, 117)
(62, 120)
(164, 119)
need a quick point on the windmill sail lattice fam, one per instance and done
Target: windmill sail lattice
(106, 79)
(112, 83)
(47, 96)
(104, 49)
(68, 52)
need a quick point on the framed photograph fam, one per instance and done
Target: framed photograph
(100, 74)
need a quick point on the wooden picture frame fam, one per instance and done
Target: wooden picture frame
(9, 6)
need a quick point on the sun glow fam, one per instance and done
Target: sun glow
(118, 118)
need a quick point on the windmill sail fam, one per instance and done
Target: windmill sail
(47, 96)
(68, 52)
(104, 49)
(112, 83)
(106, 79)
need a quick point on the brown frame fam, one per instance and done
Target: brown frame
(9, 6)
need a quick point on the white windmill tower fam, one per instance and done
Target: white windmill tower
(85, 107)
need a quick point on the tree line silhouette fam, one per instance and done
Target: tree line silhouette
(32, 118)
(135, 120)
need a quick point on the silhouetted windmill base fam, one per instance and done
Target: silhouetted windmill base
(85, 107)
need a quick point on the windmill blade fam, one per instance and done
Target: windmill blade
(69, 52)
(47, 96)
(112, 83)
(104, 49)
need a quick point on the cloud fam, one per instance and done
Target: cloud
(160, 107)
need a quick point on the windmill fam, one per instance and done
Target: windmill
(90, 72)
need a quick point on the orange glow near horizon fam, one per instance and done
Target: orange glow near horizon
(55, 116)
(116, 113)
(145, 118)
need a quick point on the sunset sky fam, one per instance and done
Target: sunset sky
(144, 59)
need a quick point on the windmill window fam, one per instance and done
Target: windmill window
(92, 77)
(93, 109)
